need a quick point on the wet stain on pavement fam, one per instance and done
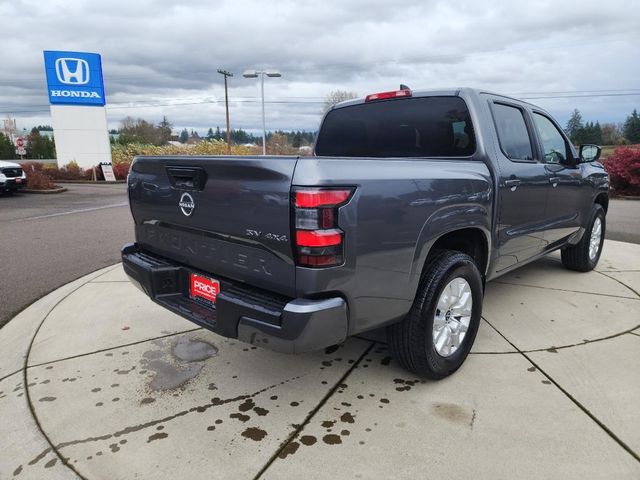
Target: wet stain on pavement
(254, 433)
(169, 377)
(157, 436)
(347, 418)
(453, 413)
(51, 462)
(47, 399)
(240, 416)
(247, 405)
(332, 439)
(260, 411)
(289, 449)
(177, 362)
(124, 371)
(308, 440)
(17, 471)
(190, 350)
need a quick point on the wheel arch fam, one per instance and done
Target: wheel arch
(603, 200)
(474, 241)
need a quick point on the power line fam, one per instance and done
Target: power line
(7, 110)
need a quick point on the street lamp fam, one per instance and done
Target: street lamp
(262, 73)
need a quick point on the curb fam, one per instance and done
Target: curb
(45, 192)
(91, 182)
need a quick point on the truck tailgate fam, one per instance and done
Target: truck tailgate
(226, 216)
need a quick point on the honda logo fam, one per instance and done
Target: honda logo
(72, 71)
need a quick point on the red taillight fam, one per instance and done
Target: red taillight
(388, 95)
(319, 241)
(312, 198)
(318, 238)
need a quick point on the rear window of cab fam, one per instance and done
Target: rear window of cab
(408, 127)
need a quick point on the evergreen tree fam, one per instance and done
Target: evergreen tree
(210, 134)
(631, 127)
(164, 131)
(218, 135)
(39, 146)
(574, 126)
(7, 149)
(184, 136)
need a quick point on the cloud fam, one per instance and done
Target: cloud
(166, 54)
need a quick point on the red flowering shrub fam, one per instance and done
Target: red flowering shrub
(37, 177)
(624, 171)
(121, 170)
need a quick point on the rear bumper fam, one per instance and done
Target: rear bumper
(249, 314)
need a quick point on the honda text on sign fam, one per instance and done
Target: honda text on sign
(74, 78)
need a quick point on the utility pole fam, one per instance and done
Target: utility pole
(226, 103)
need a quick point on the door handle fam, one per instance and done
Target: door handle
(512, 183)
(554, 181)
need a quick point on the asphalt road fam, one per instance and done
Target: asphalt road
(623, 221)
(49, 240)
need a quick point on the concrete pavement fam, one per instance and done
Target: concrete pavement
(99, 382)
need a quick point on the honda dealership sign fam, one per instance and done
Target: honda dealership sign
(74, 78)
(78, 114)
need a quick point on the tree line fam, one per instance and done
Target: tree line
(625, 133)
(37, 146)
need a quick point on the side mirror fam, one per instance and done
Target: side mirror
(589, 153)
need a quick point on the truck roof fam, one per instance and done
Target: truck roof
(439, 92)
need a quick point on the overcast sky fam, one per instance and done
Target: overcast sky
(164, 54)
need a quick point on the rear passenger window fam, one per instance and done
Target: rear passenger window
(512, 132)
(410, 127)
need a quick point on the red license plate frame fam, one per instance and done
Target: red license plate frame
(203, 288)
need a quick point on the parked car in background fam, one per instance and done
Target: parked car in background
(411, 202)
(12, 177)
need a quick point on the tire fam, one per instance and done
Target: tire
(412, 340)
(580, 257)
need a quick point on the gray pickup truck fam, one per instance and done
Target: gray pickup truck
(410, 203)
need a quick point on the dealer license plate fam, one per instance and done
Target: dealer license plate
(204, 288)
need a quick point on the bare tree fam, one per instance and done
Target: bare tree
(337, 96)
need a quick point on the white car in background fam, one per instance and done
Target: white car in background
(12, 177)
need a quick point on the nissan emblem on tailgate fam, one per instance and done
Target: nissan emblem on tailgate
(186, 204)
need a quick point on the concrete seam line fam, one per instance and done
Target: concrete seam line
(21, 309)
(570, 291)
(615, 271)
(313, 412)
(621, 283)
(26, 385)
(10, 375)
(584, 409)
(601, 339)
(114, 348)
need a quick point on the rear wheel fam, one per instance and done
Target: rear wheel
(584, 255)
(436, 336)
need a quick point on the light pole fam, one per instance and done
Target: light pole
(262, 73)
(226, 102)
